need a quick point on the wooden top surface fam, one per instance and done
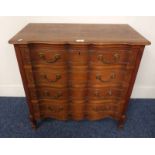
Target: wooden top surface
(79, 33)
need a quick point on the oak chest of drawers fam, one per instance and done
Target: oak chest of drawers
(78, 71)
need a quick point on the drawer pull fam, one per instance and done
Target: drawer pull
(109, 93)
(116, 58)
(54, 59)
(58, 95)
(112, 76)
(55, 109)
(58, 77)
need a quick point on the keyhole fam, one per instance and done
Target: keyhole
(79, 53)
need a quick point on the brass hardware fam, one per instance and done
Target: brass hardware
(116, 58)
(109, 92)
(97, 94)
(58, 77)
(112, 76)
(58, 95)
(54, 59)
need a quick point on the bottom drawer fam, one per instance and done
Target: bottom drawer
(57, 110)
(79, 110)
(100, 110)
(103, 108)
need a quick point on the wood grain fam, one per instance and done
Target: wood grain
(69, 33)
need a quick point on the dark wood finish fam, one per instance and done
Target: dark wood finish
(78, 71)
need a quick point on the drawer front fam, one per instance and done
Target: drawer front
(50, 77)
(106, 76)
(59, 93)
(103, 107)
(56, 55)
(52, 93)
(112, 56)
(48, 54)
(98, 110)
(105, 93)
(61, 77)
(56, 110)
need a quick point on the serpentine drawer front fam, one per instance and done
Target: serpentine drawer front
(78, 71)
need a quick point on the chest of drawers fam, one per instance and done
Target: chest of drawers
(78, 71)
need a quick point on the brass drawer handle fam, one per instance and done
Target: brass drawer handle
(97, 94)
(116, 58)
(109, 92)
(57, 77)
(54, 59)
(112, 76)
(55, 109)
(58, 95)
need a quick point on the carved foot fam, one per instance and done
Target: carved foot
(121, 121)
(33, 123)
(121, 125)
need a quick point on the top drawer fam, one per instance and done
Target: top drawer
(56, 55)
(48, 54)
(113, 55)
(60, 55)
